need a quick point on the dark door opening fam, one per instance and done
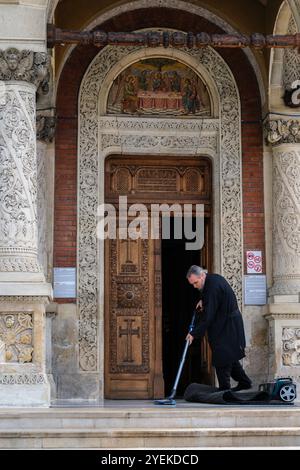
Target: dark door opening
(179, 299)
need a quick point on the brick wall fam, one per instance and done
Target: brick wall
(66, 136)
(252, 151)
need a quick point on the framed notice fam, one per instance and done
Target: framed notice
(254, 262)
(64, 283)
(255, 289)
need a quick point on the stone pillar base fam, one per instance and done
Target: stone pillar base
(23, 374)
(32, 389)
(284, 342)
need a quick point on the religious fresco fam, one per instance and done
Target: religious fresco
(159, 86)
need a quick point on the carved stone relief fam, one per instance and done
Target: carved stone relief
(286, 221)
(22, 379)
(282, 131)
(291, 346)
(25, 66)
(135, 135)
(291, 59)
(21, 73)
(16, 343)
(42, 208)
(18, 178)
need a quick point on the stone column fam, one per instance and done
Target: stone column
(23, 288)
(285, 139)
(284, 295)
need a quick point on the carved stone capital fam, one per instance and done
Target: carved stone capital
(45, 128)
(25, 65)
(282, 131)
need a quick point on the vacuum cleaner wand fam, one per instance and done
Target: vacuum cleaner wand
(171, 399)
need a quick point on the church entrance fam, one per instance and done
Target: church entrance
(148, 301)
(178, 302)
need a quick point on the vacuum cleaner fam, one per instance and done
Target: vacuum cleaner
(171, 399)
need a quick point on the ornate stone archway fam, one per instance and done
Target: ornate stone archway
(100, 136)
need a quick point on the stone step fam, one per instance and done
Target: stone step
(156, 418)
(91, 438)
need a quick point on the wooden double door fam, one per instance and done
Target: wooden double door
(148, 301)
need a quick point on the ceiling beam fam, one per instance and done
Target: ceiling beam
(177, 39)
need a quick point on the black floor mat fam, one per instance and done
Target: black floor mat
(200, 393)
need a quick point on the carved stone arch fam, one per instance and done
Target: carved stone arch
(100, 136)
(172, 4)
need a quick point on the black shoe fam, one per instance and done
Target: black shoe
(241, 386)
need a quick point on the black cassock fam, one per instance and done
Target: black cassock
(222, 320)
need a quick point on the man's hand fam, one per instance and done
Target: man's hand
(189, 338)
(199, 306)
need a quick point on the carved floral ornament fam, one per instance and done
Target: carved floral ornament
(25, 65)
(291, 346)
(282, 131)
(16, 331)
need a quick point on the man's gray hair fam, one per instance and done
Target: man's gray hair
(197, 270)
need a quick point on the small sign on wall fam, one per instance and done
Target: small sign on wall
(255, 289)
(64, 283)
(254, 262)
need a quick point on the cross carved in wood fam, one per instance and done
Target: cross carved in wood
(129, 331)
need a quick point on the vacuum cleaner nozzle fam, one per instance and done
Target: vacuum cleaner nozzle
(166, 401)
(170, 400)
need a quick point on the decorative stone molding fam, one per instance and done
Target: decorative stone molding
(45, 128)
(291, 59)
(148, 124)
(27, 66)
(8, 264)
(41, 300)
(282, 131)
(42, 206)
(101, 136)
(22, 379)
(291, 346)
(16, 331)
(151, 141)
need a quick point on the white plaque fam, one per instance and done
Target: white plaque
(64, 283)
(255, 289)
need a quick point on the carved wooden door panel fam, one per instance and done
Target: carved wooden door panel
(133, 316)
(130, 324)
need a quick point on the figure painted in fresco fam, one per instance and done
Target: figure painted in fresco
(175, 81)
(190, 96)
(159, 86)
(158, 83)
(144, 80)
(130, 98)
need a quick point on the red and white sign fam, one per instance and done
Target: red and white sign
(254, 262)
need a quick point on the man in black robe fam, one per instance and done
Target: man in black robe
(220, 317)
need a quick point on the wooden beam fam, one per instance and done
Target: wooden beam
(168, 39)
